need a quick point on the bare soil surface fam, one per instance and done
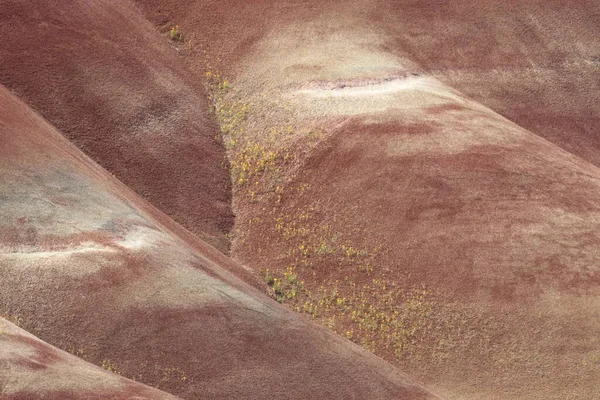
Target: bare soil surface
(102, 75)
(87, 265)
(402, 213)
(420, 178)
(534, 62)
(32, 369)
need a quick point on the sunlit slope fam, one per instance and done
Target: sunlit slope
(535, 62)
(86, 264)
(115, 87)
(32, 369)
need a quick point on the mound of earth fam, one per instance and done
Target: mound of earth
(103, 76)
(86, 264)
(424, 226)
(32, 369)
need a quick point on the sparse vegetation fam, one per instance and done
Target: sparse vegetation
(13, 318)
(78, 352)
(384, 316)
(316, 265)
(3, 328)
(261, 157)
(377, 314)
(333, 279)
(110, 366)
(172, 376)
(175, 34)
(367, 308)
(164, 376)
(313, 240)
(286, 288)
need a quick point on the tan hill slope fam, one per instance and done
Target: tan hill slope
(425, 226)
(534, 62)
(86, 264)
(32, 369)
(113, 86)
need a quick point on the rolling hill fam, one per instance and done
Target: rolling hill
(425, 226)
(87, 264)
(419, 178)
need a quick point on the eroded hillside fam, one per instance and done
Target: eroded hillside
(32, 369)
(103, 76)
(399, 212)
(420, 178)
(89, 266)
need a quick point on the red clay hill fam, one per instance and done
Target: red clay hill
(420, 177)
(425, 226)
(86, 264)
(102, 75)
(32, 369)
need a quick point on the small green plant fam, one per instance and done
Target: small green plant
(269, 278)
(293, 279)
(175, 34)
(283, 289)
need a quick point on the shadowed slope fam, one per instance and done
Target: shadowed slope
(426, 227)
(102, 74)
(86, 263)
(32, 369)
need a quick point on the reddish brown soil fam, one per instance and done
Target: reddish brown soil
(499, 229)
(227, 30)
(118, 91)
(516, 57)
(504, 230)
(499, 225)
(535, 62)
(101, 270)
(32, 369)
